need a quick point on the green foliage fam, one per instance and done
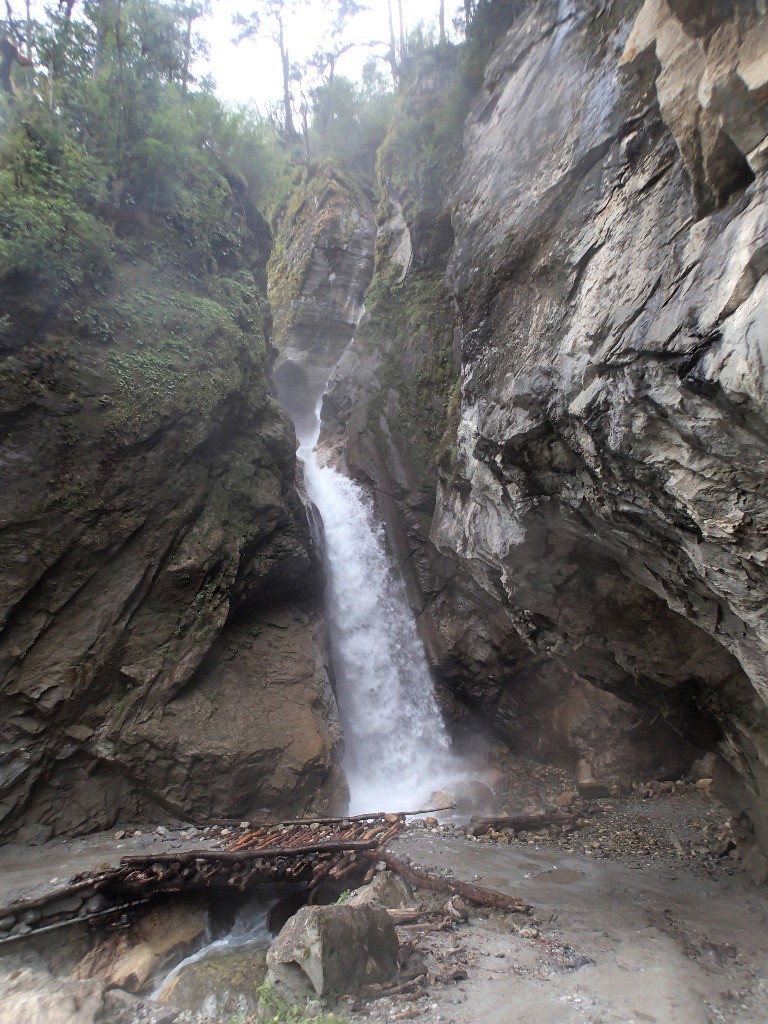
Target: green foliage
(344, 896)
(275, 1010)
(424, 142)
(411, 325)
(349, 122)
(46, 234)
(108, 128)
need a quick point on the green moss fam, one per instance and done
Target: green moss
(318, 206)
(273, 1009)
(411, 325)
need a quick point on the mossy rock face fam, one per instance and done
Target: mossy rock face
(318, 274)
(151, 504)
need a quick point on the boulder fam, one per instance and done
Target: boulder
(326, 951)
(129, 958)
(36, 998)
(387, 890)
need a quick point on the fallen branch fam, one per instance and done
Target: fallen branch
(406, 915)
(476, 894)
(229, 857)
(382, 991)
(520, 822)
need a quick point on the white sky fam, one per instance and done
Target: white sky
(250, 71)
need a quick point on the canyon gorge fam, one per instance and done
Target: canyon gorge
(537, 342)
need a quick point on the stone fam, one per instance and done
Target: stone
(225, 982)
(95, 903)
(387, 890)
(66, 905)
(128, 959)
(442, 800)
(147, 512)
(567, 800)
(588, 786)
(36, 998)
(329, 951)
(594, 490)
(431, 822)
(756, 865)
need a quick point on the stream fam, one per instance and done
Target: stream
(219, 978)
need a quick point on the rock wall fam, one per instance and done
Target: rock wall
(318, 274)
(391, 412)
(608, 490)
(162, 649)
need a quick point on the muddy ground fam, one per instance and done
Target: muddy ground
(641, 913)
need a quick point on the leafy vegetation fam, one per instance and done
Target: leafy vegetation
(273, 1009)
(103, 124)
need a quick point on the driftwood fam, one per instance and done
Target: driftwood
(406, 915)
(278, 852)
(476, 894)
(386, 815)
(229, 857)
(521, 822)
(375, 991)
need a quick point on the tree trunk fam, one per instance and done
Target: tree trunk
(392, 56)
(290, 130)
(442, 23)
(476, 894)
(187, 51)
(106, 20)
(402, 28)
(29, 30)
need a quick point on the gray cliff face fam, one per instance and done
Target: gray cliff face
(162, 649)
(391, 411)
(318, 277)
(611, 271)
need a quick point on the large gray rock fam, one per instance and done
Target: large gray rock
(322, 266)
(610, 266)
(327, 951)
(387, 890)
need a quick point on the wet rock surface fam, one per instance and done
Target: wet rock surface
(158, 576)
(640, 906)
(645, 934)
(608, 485)
(327, 951)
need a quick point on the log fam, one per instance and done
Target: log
(476, 894)
(355, 817)
(404, 915)
(232, 857)
(520, 822)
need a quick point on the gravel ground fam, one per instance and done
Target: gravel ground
(641, 914)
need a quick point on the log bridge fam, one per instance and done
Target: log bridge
(304, 851)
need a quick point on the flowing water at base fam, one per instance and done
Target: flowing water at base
(396, 742)
(222, 976)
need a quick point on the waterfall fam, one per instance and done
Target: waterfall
(396, 741)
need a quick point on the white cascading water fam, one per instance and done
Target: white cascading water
(396, 744)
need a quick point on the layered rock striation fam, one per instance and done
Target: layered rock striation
(319, 271)
(608, 490)
(163, 652)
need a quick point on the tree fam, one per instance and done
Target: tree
(274, 14)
